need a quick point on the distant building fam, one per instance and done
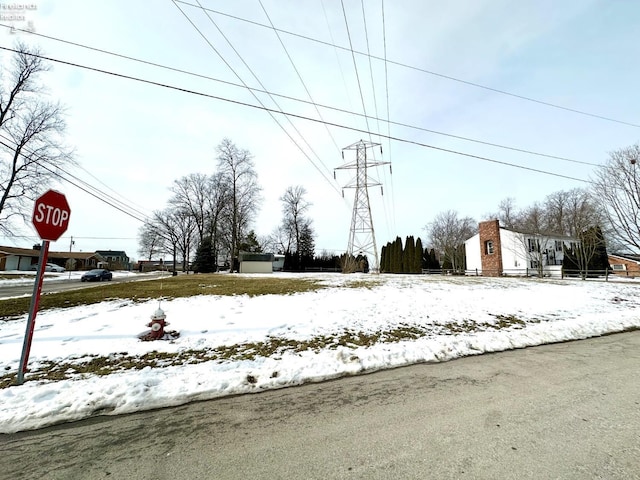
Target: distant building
(115, 259)
(13, 258)
(624, 264)
(255, 262)
(278, 262)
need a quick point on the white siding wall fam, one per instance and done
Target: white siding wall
(514, 253)
(256, 267)
(472, 251)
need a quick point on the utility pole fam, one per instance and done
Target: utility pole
(71, 261)
(362, 239)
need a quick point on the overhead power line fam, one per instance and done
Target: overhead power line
(302, 117)
(355, 65)
(82, 185)
(335, 109)
(423, 70)
(306, 89)
(271, 112)
(96, 193)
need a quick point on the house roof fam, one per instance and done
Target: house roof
(18, 251)
(626, 256)
(114, 253)
(544, 234)
(76, 255)
(30, 252)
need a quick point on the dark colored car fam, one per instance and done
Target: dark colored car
(96, 275)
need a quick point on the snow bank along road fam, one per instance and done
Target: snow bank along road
(88, 360)
(569, 410)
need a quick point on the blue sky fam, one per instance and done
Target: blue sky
(137, 138)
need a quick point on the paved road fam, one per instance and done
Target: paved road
(565, 411)
(64, 285)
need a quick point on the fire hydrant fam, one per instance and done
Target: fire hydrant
(157, 324)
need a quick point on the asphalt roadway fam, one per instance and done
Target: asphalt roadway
(7, 291)
(563, 411)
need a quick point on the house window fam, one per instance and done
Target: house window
(558, 246)
(488, 247)
(533, 245)
(619, 266)
(534, 263)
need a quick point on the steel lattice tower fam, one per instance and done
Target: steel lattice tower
(362, 238)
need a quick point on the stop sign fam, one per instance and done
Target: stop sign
(51, 215)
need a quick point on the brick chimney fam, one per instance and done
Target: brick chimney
(490, 248)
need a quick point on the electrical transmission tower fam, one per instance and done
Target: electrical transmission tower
(362, 238)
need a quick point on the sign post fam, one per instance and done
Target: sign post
(50, 218)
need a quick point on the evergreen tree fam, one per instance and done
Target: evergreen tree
(383, 255)
(306, 246)
(417, 256)
(250, 243)
(433, 260)
(600, 257)
(388, 257)
(570, 262)
(408, 255)
(291, 262)
(205, 261)
(397, 256)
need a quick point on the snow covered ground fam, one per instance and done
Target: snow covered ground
(239, 344)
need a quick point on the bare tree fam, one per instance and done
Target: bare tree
(149, 241)
(31, 129)
(573, 214)
(279, 241)
(294, 207)
(191, 194)
(217, 201)
(447, 234)
(583, 218)
(617, 186)
(533, 224)
(168, 224)
(186, 226)
(244, 192)
(507, 213)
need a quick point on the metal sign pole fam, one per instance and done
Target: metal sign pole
(33, 310)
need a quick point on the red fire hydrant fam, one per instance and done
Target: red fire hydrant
(157, 324)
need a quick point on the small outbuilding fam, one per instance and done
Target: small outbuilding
(256, 262)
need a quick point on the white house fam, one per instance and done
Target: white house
(496, 251)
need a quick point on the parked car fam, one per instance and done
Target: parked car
(49, 267)
(96, 275)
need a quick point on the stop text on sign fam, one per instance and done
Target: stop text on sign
(50, 215)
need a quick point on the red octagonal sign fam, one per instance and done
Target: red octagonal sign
(51, 215)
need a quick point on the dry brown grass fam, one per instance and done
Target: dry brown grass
(169, 287)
